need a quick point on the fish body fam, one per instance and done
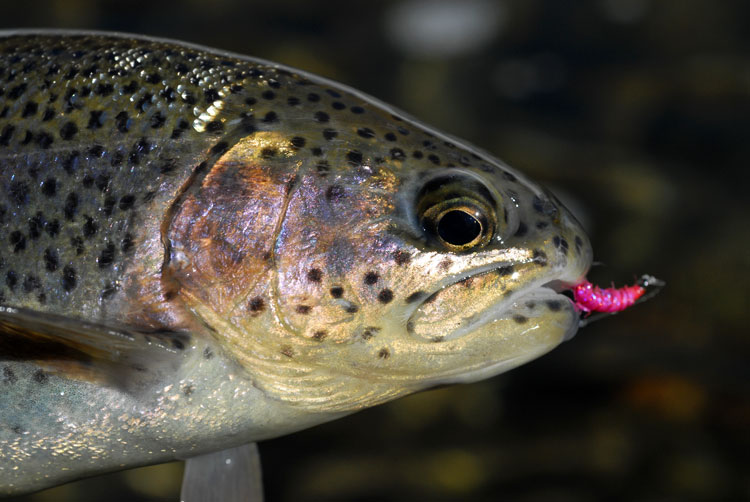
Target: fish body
(200, 250)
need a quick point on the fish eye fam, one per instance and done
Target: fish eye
(457, 212)
(458, 227)
(459, 224)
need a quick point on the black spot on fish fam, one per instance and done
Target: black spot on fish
(313, 98)
(6, 135)
(36, 223)
(385, 296)
(319, 335)
(334, 193)
(297, 142)
(208, 353)
(127, 243)
(215, 126)
(188, 390)
(503, 271)
(49, 114)
(351, 308)
(77, 243)
(157, 120)
(19, 193)
(292, 101)
(107, 256)
(384, 353)
(338, 105)
(40, 377)
(417, 154)
(96, 119)
(9, 376)
(103, 89)
(287, 351)
(520, 319)
(256, 305)
(11, 280)
(211, 95)
(321, 117)
(434, 159)
(544, 206)
(314, 275)
(52, 228)
(268, 152)
(397, 154)
(541, 225)
(89, 227)
(71, 205)
(49, 187)
(337, 291)
(109, 290)
(579, 244)
(371, 278)
(370, 332)
(17, 91)
(69, 279)
(122, 121)
(30, 109)
(401, 257)
(126, 202)
(51, 260)
(17, 240)
(270, 117)
(521, 230)
(357, 110)
(30, 283)
(539, 257)
(328, 134)
(303, 309)
(553, 305)
(366, 132)
(390, 136)
(354, 157)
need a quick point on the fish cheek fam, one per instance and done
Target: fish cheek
(222, 232)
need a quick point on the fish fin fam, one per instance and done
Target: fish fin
(231, 475)
(89, 351)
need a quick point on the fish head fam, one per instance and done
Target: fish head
(351, 277)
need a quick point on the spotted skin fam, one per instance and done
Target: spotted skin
(292, 229)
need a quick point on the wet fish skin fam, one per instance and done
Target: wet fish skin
(280, 222)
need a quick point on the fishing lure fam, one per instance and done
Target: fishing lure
(589, 298)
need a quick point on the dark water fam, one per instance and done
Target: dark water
(637, 112)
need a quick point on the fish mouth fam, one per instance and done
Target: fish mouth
(500, 294)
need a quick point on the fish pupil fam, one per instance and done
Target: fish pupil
(458, 228)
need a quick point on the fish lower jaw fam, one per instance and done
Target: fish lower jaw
(524, 306)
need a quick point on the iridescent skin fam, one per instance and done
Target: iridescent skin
(283, 230)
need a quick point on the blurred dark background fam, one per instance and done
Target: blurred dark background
(637, 113)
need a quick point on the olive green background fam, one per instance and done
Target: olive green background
(641, 121)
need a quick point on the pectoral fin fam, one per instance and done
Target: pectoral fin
(116, 355)
(231, 475)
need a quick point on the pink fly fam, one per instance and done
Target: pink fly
(589, 298)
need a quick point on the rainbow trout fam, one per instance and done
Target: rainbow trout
(200, 250)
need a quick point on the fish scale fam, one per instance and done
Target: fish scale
(200, 250)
